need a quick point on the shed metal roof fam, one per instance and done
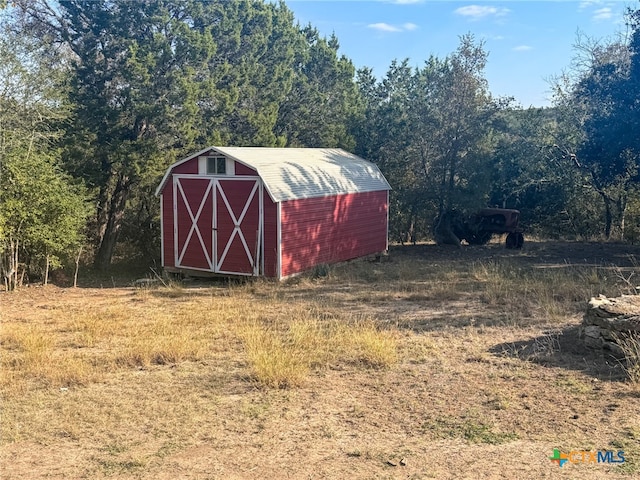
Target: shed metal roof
(297, 173)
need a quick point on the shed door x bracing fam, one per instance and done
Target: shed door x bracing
(218, 224)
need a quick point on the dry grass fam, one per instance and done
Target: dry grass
(283, 355)
(282, 359)
(339, 373)
(34, 357)
(555, 292)
(372, 346)
(630, 345)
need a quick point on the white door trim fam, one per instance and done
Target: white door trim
(237, 222)
(194, 224)
(256, 259)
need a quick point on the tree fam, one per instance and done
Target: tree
(153, 79)
(42, 210)
(252, 70)
(324, 99)
(43, 214)
(240, 91)
(599, 103)
(133, 88)
(456, 143)
(431, 132)
(527, 174)
(607, 153)
(385, 136)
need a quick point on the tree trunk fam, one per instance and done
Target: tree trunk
(12, 276)
(608, 214)
(451, 182)
(110, 222)
(608, 217)
(621, 210)
(46, 271)
(75, 274)
(442, 201)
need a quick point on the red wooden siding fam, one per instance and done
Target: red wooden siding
(167, 226)
(332, 229)
(190, 167)
(242, 169)
(270, 213)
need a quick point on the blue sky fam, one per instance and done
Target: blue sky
(528, 42)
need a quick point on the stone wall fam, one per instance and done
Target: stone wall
(607, 319)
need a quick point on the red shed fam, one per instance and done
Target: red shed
(270, 211)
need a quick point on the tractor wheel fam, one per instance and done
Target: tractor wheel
(515, 240)
(481, 237)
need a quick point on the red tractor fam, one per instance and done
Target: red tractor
(478, 228)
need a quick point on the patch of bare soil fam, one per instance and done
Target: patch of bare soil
(488, 381)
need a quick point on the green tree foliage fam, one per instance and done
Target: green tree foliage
(528, 174)
(323, 102)
(134, 90)
(457, 143)
(604, 154)
(431, 132)
(153, 80)
(251, 72)
(42, 210)
(599, 114)
(239, 89)
(384, 136)
(43, 214)
(610, 151)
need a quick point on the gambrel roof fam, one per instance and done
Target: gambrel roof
(297, 173)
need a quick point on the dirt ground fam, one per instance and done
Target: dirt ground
(485, 387)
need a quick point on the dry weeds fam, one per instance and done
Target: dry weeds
(437, 364)
(630, 345)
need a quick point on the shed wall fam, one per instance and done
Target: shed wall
(167, 226)
(190, 167)
(270, 219)
(332, 229)
(241, 169)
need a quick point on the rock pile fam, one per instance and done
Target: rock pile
(608, 319)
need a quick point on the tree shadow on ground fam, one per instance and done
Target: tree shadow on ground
(564, 349)
(541, 254)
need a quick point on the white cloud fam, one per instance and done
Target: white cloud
(388, 28)
(383, 27)
(477, 12)
(603, 14)
(601, 10)
(491, 37)
(522, 48)
(584, 4)
(407, 2)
